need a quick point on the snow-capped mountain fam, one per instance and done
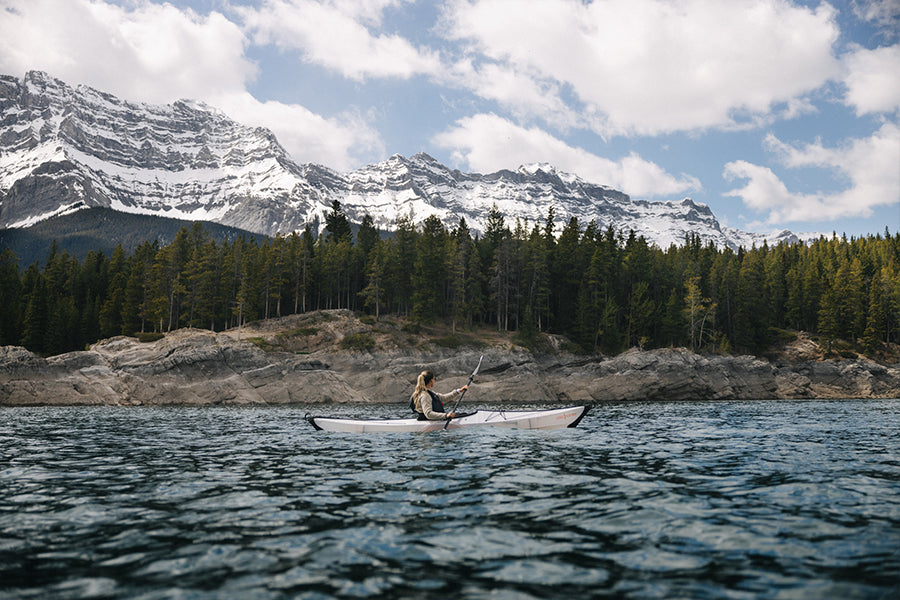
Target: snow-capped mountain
(67, 148)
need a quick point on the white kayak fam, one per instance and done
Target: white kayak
(555, 418)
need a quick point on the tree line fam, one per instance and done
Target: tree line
(605, 290)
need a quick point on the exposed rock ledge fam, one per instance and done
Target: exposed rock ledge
(195, 367)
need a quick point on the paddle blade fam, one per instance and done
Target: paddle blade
(475, 372)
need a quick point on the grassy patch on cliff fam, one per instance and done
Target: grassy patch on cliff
(337, 330)
(344, 330)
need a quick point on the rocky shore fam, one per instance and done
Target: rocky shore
(306, 359)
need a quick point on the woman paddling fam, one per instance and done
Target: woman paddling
(429, 404)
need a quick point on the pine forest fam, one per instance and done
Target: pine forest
(604, 290)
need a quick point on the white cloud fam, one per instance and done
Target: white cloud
(340, 143)
(157, 53)
(884, 13)
(334, 35)
(524, 96)
(872, 78)
(871, 165)
(152, 53)
(488, 143)
(645, 67)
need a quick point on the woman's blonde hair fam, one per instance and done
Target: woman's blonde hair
(424, 379)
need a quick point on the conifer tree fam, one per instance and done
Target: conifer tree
(337, 226)
(475, 284)
(502, 281)
(429, 270)
(829, 325)
(35, 318)
(854, 299)
(537, 276)
(135, 306)
(455, 269)
(301, 252)
(367, 236)
(402, 257)
(877, 316)
(376, 278)
(566, 276)
(751, 314)
(111, 311)
(10, 298)
(699, 313)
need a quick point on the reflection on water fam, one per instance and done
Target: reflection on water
(642, 500)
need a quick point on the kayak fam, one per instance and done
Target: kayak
(556, 418)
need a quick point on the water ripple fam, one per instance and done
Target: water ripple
(643, 500)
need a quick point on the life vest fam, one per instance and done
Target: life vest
(436, 404)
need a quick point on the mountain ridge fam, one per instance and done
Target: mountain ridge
(100, 229)
(64, 149)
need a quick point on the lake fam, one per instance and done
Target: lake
(763, 499)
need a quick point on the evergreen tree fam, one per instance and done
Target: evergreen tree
(566, 276)
(273, 255)
(637, 264)
(877, 317)
(376, 278)
(402, 257)
(775, 285)
(812, 292)
(36, 317)
(829, 326)
(168, 283)
(367, 237)
(476, 281)
(135, 306)
(429, 271)
(793, 306)
(205, 280)
(337, 226)
(10, 299)
(536, 275)
(671, 328)
(111, 311)
(496, 229)
(301, 253)
(502, 281)
(854, 299)
(457, 264)
(751, 318)
(699, 313)
(89, 285)
(641, 309)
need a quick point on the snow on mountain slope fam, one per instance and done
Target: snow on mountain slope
(66, 148)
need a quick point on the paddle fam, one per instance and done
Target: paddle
(458, 400)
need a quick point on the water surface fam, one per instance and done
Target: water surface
(768, 499)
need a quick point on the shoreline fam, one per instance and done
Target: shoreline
(193, 367)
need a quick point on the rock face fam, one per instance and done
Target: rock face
(186, 368)
(194, 367)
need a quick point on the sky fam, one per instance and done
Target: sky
(778, 114)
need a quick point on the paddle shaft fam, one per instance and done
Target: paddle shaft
(463, 393)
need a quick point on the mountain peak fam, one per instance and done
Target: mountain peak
(532, 168)
(424, 157)
(70, 148)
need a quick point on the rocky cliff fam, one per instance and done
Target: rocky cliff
(317, 358)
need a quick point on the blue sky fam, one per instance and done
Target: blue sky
(778, 114)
